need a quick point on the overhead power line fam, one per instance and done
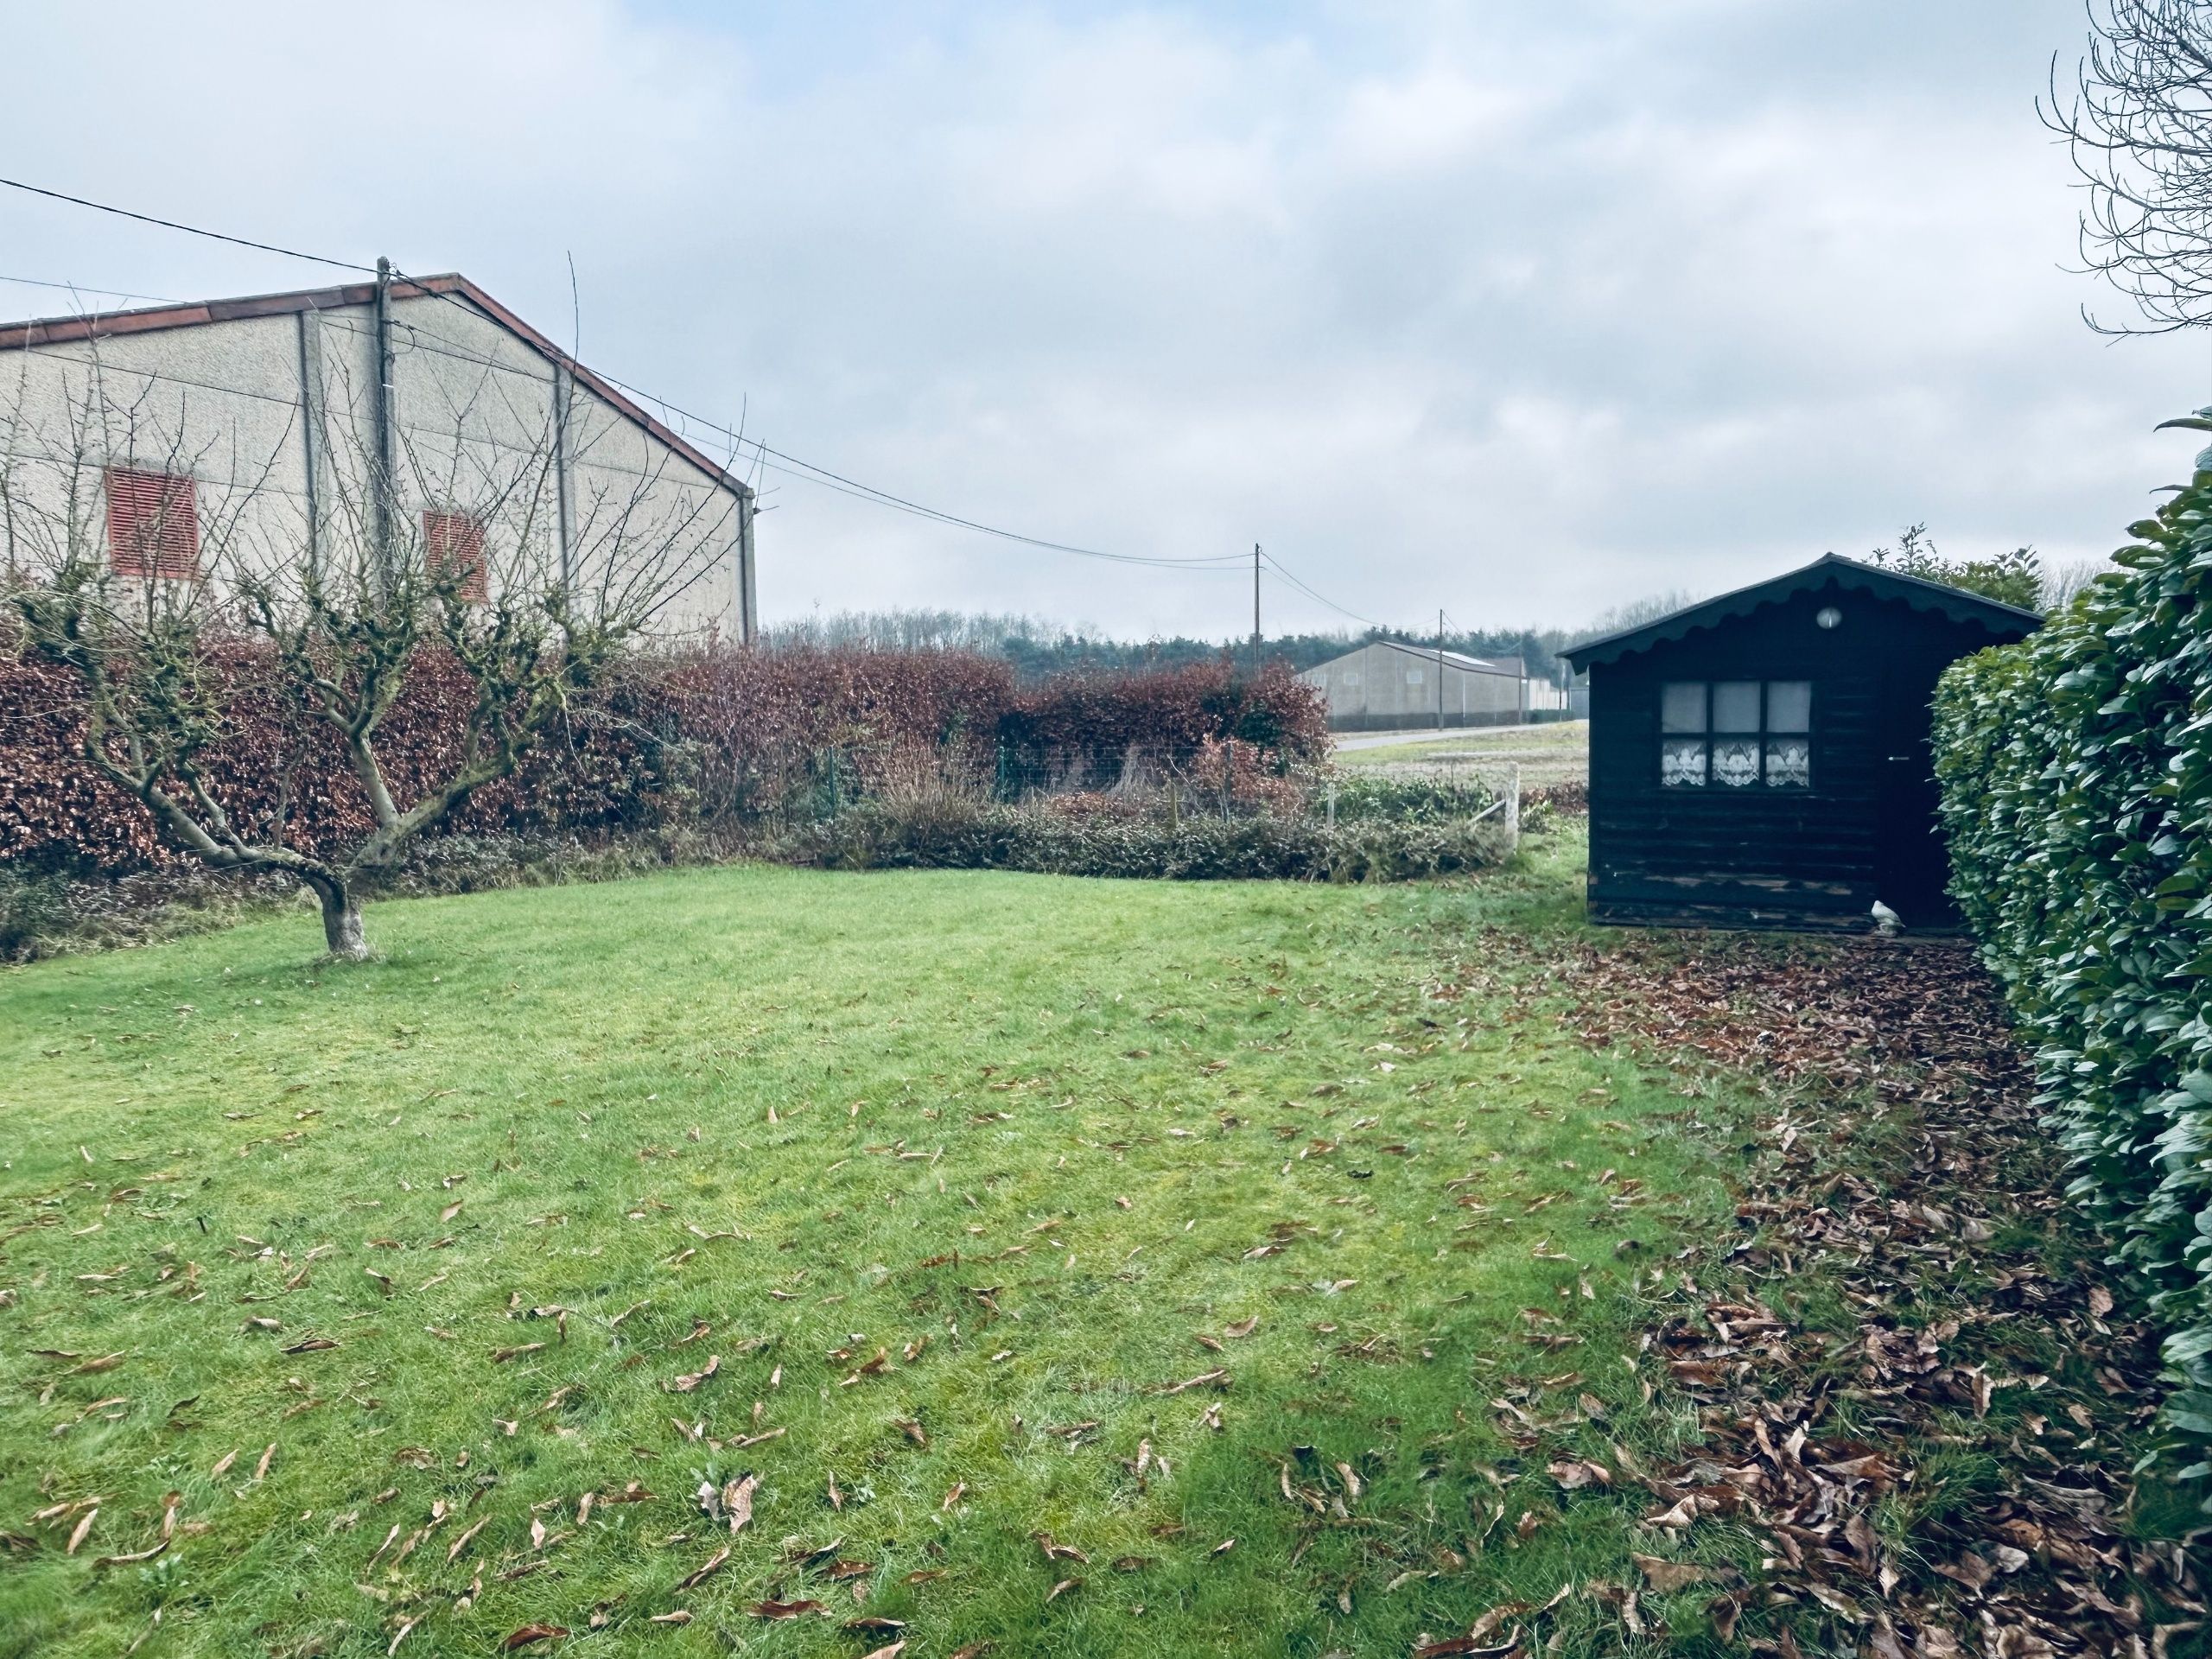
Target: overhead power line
(189, 230)
(79, 289)
(885, 498)
(1275, 565)
(791, 464)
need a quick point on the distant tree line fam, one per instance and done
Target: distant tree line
(1039, 648)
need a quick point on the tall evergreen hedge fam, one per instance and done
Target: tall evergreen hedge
(2077, 768)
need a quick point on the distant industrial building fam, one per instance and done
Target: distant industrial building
(1384, 686)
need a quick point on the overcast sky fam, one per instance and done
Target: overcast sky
(1522, 307)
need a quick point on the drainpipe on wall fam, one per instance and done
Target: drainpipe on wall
(385, 514)
(564, 395)
(311, 429)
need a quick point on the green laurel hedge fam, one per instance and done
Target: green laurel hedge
(2077, 768)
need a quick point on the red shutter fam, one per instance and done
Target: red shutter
(452, 542)
(153, 524)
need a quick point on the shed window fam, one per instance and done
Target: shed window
(153, 524)
(1413, 676)
(1736, 734)
(453, 545)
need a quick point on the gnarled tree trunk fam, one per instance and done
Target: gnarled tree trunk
(341, 919)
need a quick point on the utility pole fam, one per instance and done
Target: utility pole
(1256, 608)
(1440, 668)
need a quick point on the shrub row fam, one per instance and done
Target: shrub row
(46, 912)
(708, 738)
(948, 834)
(2076, 769)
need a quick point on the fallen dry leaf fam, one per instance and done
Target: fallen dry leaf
(146, 1555)
(737, 1500)
(1574, 1473)
(1901, 1143)
(464, 1541)
(1216, 1378)
(706, 1570)
(1667, 1577)
(687, 1383)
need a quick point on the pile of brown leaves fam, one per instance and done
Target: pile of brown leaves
(1904, 1162)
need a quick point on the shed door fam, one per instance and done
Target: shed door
(1911, 864)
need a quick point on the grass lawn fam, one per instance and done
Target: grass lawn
(1547, 754)
(985, 1206)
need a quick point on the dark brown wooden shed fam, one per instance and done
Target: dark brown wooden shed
(1761, 760)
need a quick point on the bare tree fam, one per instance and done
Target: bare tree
(1636, 612)
(2064, 583)
(917, 630)
(340, 600)
(2138, 120)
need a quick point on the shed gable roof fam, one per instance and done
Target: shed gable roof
(1830, 569)
(452, 285)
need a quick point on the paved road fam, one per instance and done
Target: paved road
(1378, 740)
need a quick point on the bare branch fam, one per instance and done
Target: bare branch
(2137, 122)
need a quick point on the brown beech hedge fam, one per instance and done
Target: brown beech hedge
(711, 736)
